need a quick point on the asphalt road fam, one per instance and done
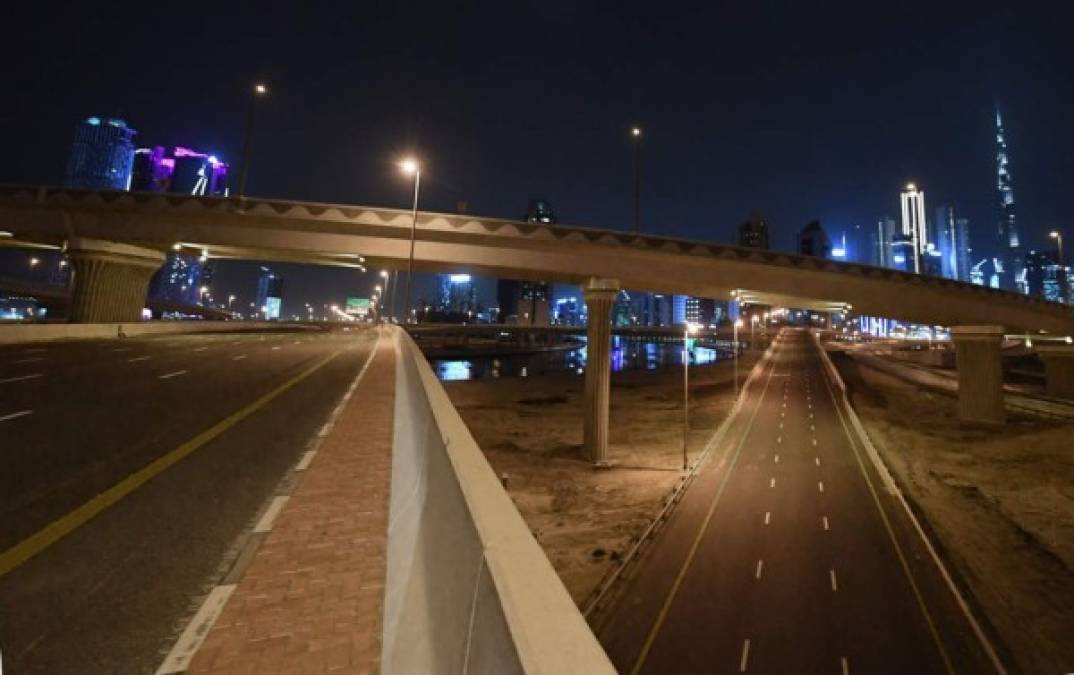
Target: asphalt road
(788, 556)
(79, 418)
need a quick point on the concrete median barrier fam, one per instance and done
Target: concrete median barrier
(468, 589)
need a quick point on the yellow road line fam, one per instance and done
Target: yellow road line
(891, 534)
(697, 540)
(52, 533)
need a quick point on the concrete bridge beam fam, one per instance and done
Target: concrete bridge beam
(110, 280)
(599, 295)
(1058, 369)
(980, 374)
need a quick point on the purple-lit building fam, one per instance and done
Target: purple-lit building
(185, 171)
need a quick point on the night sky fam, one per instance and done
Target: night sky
(794, 110)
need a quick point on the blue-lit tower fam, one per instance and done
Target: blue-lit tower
(1010, 248)
(101, 156)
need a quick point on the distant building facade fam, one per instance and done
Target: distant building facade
(185, 171)
(813, 241)
(953, 234)
(754, 232)
(1011, 261)
(914, 225)
(102, 155)
(269, 293)
(1045, 277)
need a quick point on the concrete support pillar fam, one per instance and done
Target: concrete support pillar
(600, 295)
(110, 280)
(1058, 369)
(980, 374)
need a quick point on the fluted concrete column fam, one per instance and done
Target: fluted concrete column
(599, 297)
(1058, 369)
(110, 280)
(980, 374)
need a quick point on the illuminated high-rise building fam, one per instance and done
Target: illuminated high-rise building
(953, 242)
(185, 171)
(914, 226)
(458, 295)
(1010, 247)
(813, 241)
(101, 155)
(1045, 277)
(880, 242)
(269, 293)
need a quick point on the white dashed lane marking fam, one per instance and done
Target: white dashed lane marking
(820, 485)
(139, 358)
(825, 521)
(767, 517)
(239, 357)
(760, 566)
(744, 661)
(168, 376)
(772, 483)
(11, 416)
(835, 586)
(32, 359)
(20, 378)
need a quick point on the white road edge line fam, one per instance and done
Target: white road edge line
(171, 375)
(271, 513)
(178, 659)
(239, 357)
(20, 378)
(846, 665)
(32, 359)
(304, 463)
(767, 517)
(820, 485)
(760, 566)
(21, 413)
(825, 520)
(745, 657)
(139, 358)
(835, 586)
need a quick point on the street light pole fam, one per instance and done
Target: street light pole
(411, 166)
(635, 133)
(1058, 236)
(738, 324)
(384, 296)
(244, 166)
(689, 328)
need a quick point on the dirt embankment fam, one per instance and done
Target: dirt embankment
(1001, 503)
(530, 429)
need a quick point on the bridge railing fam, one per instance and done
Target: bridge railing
(468, 589)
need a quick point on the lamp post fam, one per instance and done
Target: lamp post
(378, 302)
(384, 295)
(411, 166)
(635, 134)
(689, 329)
(738, 324)
(1058, 236)
(259, 90)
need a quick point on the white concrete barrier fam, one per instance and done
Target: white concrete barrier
(468, 588)
(41, 332)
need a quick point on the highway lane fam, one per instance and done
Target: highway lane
(110, 596)
(786, 556)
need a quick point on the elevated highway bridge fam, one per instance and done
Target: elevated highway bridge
(115, 240)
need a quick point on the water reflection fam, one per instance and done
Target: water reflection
(627, 354)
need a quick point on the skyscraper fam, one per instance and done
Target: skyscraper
(813, 241)
(914, 226)
(527, 302)
(269, 293)
(953, 235)
(881, 240)
(1010, 247)
(101, 155)
(457, 294)
(754, 232)
(1045, 277)
(186, 171)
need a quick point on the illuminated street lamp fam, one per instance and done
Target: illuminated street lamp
(230, 299)
(738, 324)
(688, 330)
(259, 90)
(410, 166)
(1058, 236)
(635, 134)
(384, 296)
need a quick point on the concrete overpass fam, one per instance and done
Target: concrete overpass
(115, 240)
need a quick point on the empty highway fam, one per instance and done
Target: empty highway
(787, 555)
(129, 471)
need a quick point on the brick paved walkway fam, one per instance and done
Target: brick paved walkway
(311, 601)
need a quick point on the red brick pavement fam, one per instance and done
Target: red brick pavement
(311, 601)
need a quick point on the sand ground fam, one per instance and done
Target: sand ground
(1001, 504)
(531, 431)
